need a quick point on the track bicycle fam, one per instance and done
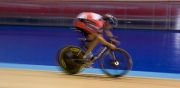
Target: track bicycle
(114, 63)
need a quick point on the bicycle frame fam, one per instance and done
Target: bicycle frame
(103, 50)
(100, 52)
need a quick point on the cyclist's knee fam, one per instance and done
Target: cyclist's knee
(90, 37)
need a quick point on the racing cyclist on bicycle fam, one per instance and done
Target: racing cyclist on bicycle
(93, 25)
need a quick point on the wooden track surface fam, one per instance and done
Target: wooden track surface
(16, 78)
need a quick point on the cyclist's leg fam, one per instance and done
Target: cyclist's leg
(104, 42)
(92, 44)
(89, 35)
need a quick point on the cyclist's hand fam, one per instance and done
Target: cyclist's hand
(115, 41)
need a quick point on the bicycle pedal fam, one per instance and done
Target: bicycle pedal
(89, 65)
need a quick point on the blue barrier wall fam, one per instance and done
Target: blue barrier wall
(151, 50)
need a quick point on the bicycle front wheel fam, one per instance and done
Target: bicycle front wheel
(116, 63)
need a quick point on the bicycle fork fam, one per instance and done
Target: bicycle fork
(113, 57)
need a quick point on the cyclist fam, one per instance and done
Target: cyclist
(93, 25)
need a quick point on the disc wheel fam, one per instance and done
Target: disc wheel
(66, 59)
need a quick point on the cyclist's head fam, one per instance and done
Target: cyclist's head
(111, 20)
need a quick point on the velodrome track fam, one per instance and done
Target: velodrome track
(22, 78)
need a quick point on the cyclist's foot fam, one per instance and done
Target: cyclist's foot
(90, 63)
(88, 56)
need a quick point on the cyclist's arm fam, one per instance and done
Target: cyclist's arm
(108, 33)
(110, 36)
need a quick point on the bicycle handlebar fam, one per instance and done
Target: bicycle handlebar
(115, 37)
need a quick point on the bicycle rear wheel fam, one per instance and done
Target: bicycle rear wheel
(116, 63)
(66, 59)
